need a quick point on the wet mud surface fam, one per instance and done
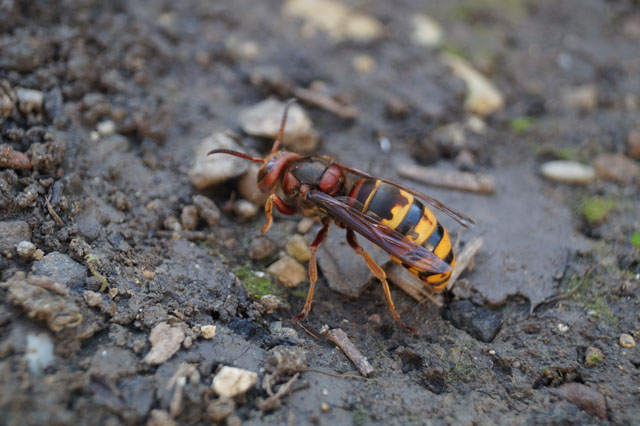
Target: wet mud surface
(116, 263)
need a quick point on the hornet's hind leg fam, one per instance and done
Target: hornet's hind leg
(381, 275)
(313, 270)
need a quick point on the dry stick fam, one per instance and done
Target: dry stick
(464, 258)
(339, 337)
(567, 294)
(461, 181)
(326, 102)
(339, 376)
(52, 212)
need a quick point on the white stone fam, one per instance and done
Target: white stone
(426, 31)
(568, 172)
(232, 381)
(213, 169)
(483, 98)
(39, 352)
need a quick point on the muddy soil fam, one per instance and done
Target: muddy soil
(105, 238)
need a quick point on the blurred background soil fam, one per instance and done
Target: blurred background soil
(132, 268)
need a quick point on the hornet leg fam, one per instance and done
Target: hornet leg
(381, 275)
(313, 271)
(268, 210)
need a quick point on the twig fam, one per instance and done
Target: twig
(464, 258)
(326, 102)
(410, 284)
(339, 376)
(339, 337)
(307, 331)
(52, 212)
(450, 179)
(567, 294)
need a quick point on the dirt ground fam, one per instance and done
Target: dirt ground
(105, 238)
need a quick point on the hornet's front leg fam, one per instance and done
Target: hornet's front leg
(313, 270)
(268, 210)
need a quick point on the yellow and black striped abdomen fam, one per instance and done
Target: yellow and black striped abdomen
(401, 211)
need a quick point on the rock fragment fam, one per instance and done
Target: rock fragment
(207, 209)
(26, 249)
(39, 352)
(40, 304)
(482, 324)
(261, 248)
(585, 397)
(627, 341)
(568, 172)
(189, 217)
(12, 233)
(581, 98)
(288, 271)
(245, 210)
(213, 169)
(61, 268)
(271, 303)
(298, 248)
(483, 98)
(334, 18)
(263, 120)
(426, 31)
(219, 409)
(231, 381)
(165, 341)
(29, 100)
(618, 168)
(248, 186)
(208, 331)
(633, 143)
(285, 361)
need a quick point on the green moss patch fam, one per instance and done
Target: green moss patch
(596, 209)
(257, 285)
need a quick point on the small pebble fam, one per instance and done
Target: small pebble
(165, 341)
(618, 168)
(627, 341)
(363, 63)
(426, 31)
(92, 298)
(231, 381)
(221, 408)
(208, 331)
(171, 223)
(633, 143)
(160, 418)
(261, 248)
(568, 172)
(207, 209)
(121, 201)
(581, 98)
(271, 303)
(106, 128)
(148, 274)
(264, 118)
(298, 248)
(324, 407)
(585, 397)
(245, 210)
(213, 169)
(563, 328)
(29, 100)
(288, 271)
(248, 186)
(305, 225)
(189, 217)
(26, 249)
(483, 98)
(39, 352)
(593, 356)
